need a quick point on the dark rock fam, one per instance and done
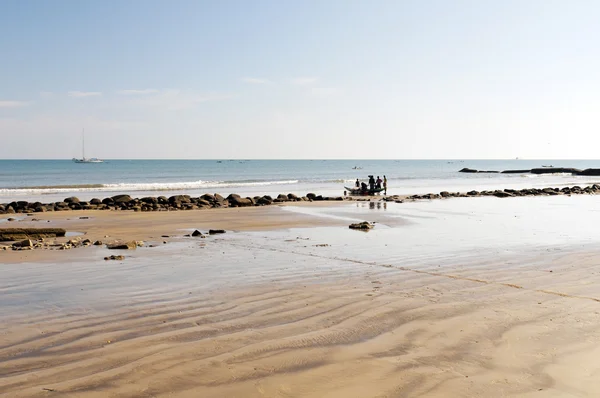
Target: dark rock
(95, 201)
(108, 201)
(553, 170)
(131, 245)
(291, 196)
(150, 200)
(119, 199)
(216, 231)
(219, 198)
(590, 172)
(444, 194)
(208, 197)
(467, 170)
(180, 199)
(282, 198)
(196, 233)
(98, 243)
(237, 201)
(516, 172)
(113, 257)
(23, 243)
(473, 193)
(72, 199)
(264, 201)
(203, 202)
(502, 194)
(311, 196)
(363, 226)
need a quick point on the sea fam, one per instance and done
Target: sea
(53, 180)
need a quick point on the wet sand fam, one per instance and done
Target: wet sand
(304, 312)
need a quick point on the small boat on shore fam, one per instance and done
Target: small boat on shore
(358, 191)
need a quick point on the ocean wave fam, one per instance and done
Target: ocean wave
(149, 186)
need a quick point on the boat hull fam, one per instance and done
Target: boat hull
(358, 191)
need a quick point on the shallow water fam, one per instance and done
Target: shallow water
(471, 232)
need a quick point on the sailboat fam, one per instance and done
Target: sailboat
(83, 158)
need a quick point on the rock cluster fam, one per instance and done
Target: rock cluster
(29, 244)
(160, 203)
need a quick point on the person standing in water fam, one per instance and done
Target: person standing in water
(371, 184)
(384, 185)
(378, 183)
(357, 184)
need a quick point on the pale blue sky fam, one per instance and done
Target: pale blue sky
(303, 79)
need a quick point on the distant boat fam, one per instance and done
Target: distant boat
(83, 158)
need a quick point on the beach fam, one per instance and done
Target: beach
(457, 297)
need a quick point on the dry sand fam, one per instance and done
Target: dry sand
(520, 326)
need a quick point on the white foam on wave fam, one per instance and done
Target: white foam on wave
(150, 186)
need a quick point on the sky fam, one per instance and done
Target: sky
(463, 79)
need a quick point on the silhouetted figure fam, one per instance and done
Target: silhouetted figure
(371, 184)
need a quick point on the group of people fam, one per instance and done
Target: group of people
(374, 185)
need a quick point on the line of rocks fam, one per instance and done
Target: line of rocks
(160, 203)
(506, 193)
(541, 170)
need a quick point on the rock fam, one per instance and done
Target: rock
(311, 196)
(72, 199)
(554, 170)
(95, 201)
(590, 172)
(10, 219)
(364, 226)
(216, 231)
(502, 194)
(131, 245)
(113, 257)
(98, 243)
(140, 243)
(23, 243)
(208, 197)
(264, 201)
(444, 194)
(14, 234)
(473, 193)
(282, 198)
(108, 201)
(203, 202)
(119, 199)
(219, 198)
(237, 201)
(291, 196)
(180, 199)
(467, 170)
(150, 200)
(196, 233)
(516, 172)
